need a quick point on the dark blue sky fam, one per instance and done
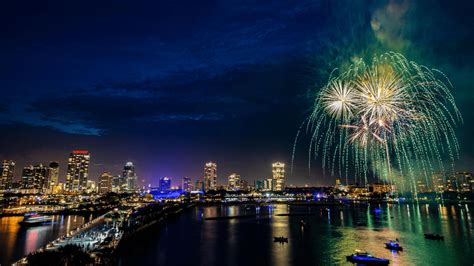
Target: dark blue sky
(172, 84)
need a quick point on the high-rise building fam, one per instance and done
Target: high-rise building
(210, 176)
(6, 170)
(243, 185)
(233, 182)
(105, 182)
(27, 177)
(119, 184)
(34, 178)
(258, 185)
(165, 183)
(278, 170)
(77, 171)
(40, 177)
(268, 184)
(186, 184)
(129, 176)
(199, 185)
(53, 176)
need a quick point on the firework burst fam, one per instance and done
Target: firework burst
(388, 114)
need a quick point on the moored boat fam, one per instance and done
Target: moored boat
(366, 259)
(434, 236)
(393, 245)
(280, 239)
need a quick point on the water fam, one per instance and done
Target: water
(17, 241)
(329, 237)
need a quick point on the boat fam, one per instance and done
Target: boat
(33, 219)
(280, 239)
(365, 258)
(361, 224)
(393, 245)
(434, 236)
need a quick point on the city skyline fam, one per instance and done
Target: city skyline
(168, 94)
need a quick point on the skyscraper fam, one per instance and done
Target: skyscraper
(130, 176)
(34, 178)
(53, 176)
(186, 184)
(210, 176)
(105, 182)
(77, 171)
(278, 170)
(233, 182)
(27, 177)
(6, 171)
(165, 183)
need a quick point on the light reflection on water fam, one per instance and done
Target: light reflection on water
(330, 236)
(17, 241)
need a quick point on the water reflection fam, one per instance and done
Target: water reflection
(329, 236)
(17, 241)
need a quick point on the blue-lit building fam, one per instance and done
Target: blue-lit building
(165, 183)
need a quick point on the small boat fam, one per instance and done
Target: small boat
(434, 236)
(393, 245)
(361, 224)
(365, 258)
(33, 219)
(280, 239)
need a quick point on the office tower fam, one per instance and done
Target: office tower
(165, 183)
(53, 176)
(200, 185)
(6, 171)
(233, 182)
(268, 184)
(40, 177)
(91, 186)
(105, 182)
(243, 185)
(119, 184)
(27, 177)
(186, 184)
(210, 176)
(258, 185)
(278, 170)
(130, 177)
(34, 178)
(77, 171)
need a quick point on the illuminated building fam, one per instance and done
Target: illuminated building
(233, 182)
(129, 176)
(258, 185)
(439, 182)
(380, 188)
(77, 171)
(186, 184)
(53, 176)
(6, 171)
(165, 183)
(210, 176)
(268, 184)
(278, 170)
(243, 185)
(27, 177)
(199, 185)
(34, 178)
(91, 186)
(105, 182)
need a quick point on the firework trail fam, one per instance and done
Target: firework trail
(389, 115)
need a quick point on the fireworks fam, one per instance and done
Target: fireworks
(390, 115)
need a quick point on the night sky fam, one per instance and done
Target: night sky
(170, 85)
